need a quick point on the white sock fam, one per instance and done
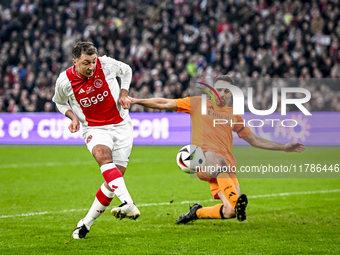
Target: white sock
(101, 202)
(115, 180)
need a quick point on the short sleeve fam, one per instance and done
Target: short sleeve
(240, 127)
(183, 104)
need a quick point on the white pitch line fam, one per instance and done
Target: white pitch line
(51, 164)
(47, 164)
(183, 202)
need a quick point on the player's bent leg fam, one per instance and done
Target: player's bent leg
(227, 210)
(240, 206)
(120, 156)
(115, 182)
(225, 183)
(228, 188)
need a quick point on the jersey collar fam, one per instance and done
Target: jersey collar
(80, 76)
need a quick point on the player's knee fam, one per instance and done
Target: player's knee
(102, 154)
(214, 159)
(219, 161)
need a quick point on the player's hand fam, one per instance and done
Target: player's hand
(294, 147)
(74, 126)
(124, 100)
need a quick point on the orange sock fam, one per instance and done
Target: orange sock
(234, 178)
(228, 188)
(212, 212)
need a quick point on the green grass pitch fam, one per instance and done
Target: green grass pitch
(46, 190)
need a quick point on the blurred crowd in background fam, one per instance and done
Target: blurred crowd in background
(172, 44)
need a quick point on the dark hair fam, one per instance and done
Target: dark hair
(226, 78)
(83, 47)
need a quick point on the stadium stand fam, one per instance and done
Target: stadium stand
(170, 44)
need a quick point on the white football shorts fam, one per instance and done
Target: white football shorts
(118, 137)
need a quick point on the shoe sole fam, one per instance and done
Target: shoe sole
(119, 215)
(240, 207)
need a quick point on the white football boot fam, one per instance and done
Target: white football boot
(126, 210)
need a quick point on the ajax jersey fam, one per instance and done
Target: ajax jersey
(95, 99)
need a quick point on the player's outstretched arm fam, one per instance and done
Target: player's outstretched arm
(262, 143)
(156, 103)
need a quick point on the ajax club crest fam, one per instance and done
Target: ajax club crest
(98, 83)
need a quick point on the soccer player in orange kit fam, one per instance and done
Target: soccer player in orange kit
(217, 143)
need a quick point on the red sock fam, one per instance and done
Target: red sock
(115, 180)
(101, 202)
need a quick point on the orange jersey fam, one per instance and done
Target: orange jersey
(218, 139)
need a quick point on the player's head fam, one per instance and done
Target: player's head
(85, 58)
(223, 93)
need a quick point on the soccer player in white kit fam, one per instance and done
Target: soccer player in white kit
(88, 92)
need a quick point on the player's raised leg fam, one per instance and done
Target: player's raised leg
(219, 211)
(127, 209)
(115, 182)
(120, 156)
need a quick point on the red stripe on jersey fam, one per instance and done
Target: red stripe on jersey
(102, 198)
(94, 97)
(111, 174)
